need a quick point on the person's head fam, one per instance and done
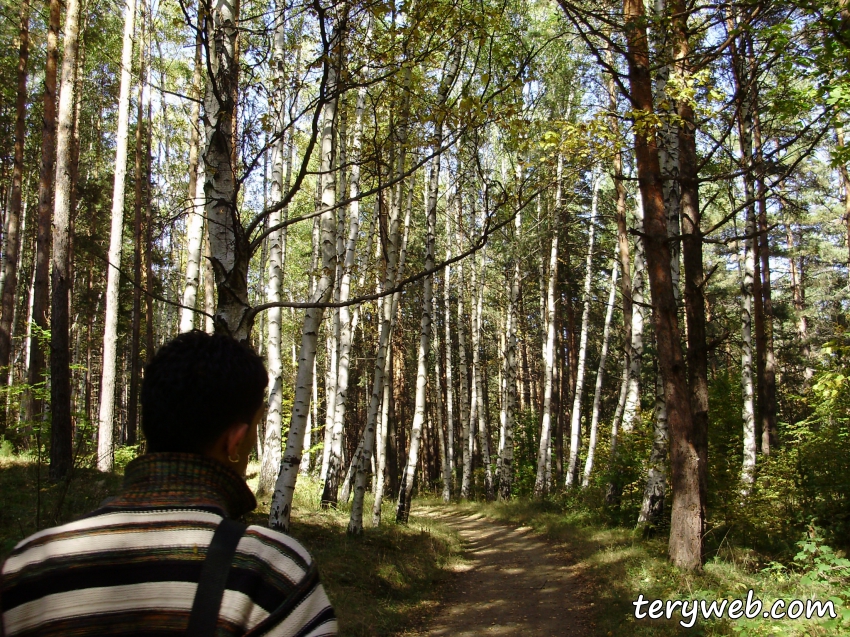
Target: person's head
(204, 394)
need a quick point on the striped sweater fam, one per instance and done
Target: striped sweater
(132, 567)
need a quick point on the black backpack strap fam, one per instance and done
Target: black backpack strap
(207, 604)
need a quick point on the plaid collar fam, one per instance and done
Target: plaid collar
(184, 480)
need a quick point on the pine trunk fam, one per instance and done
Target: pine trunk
(13, 215)
(61, 459)
(46, 174)
(685, 547)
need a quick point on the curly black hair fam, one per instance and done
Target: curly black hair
(196, 386)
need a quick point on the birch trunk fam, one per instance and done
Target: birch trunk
(450, 419)
(483, 436)
(347, 322)
(575, 419)
(600, 374)
(281, 505)
(541, 485)
(355, 523)
(195, 229)
(61, 459)
(507, 451)
(747, 266)
(385, 405)
(631, 411)
(110, 330)
(466, 477)
(270, 459)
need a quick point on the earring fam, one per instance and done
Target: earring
(234, 460)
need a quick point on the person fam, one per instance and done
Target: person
(136, 565)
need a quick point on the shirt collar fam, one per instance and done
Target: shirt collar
(184, 480)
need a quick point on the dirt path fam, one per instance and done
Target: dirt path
(514, 583)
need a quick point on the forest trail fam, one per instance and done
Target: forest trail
(513, 583)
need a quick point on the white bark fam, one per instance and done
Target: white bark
(194, 242)
(600, 374)
(385, 405)
(348, 322)
(110, 331)
(281, 506)
(507, 450)
(748, 413)
(575, 419)
(450, 419)
(270, 462)
(466, 477)
(541, 485)
(652, 506)
(478, 389)
(631, 411)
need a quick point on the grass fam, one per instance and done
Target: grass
(621, 564)
(381, 583)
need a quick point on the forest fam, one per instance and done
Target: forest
(527, 257)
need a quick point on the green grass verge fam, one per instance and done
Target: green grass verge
(381, 583)
(621, 564)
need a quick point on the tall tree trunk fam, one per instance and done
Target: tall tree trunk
(135, 342)
(685, 548)
(600, 375)
(61, 459)
(747, 265)
(281, 505)
(767, 376)
(387, 455)
(692, 243)
(270, 460)
(477, 373)
(195, 225)
(347, 321)
(507, 451)
(575, 419)
(466, 435)
(12, 227)
(450, 416)
(845, 184)
(110, 321)
(46, 174)
(541, 485)
(631, 411)
(355, 523)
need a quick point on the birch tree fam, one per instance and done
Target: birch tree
(281, 505)
(600, 374)
(575, 417)
(541, 485)
(110, 322)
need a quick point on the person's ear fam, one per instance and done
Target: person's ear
(234, 438)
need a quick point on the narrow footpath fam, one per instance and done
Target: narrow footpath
(513, 583)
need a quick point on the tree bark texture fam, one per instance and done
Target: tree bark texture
(61, 458)
(685, 547)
